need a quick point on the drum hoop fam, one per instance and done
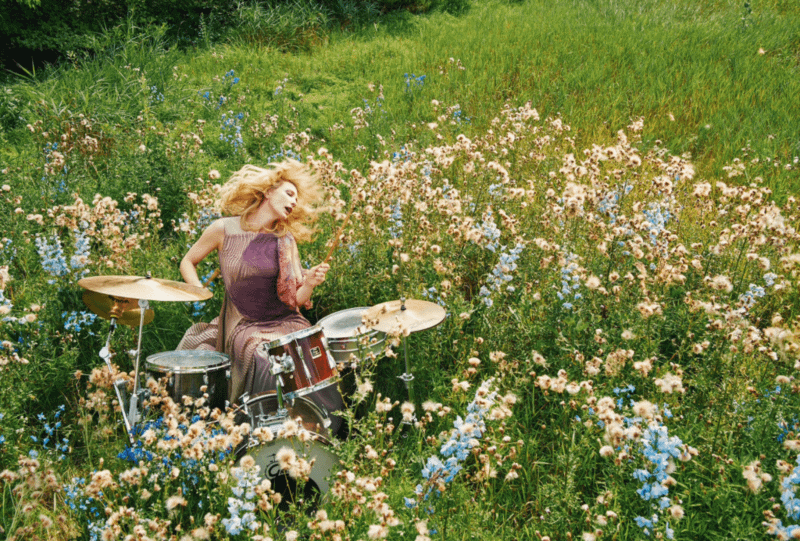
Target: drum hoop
(378, 336)
(271, 394)
(223, 361)
(291, 337)
(340, 315)
(318, 412)
(302, 392)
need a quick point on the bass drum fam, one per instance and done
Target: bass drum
(308, 437)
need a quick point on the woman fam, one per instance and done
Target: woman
(260, 266)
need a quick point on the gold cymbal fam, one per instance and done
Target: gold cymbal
(144, 287)
(410, 315)
(126, 311)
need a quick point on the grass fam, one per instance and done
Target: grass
(630, 269)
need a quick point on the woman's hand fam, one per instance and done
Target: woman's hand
(316, 275)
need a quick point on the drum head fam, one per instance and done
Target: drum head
(326, 463)
(343, 324)
(291, 337)
(263, 411)
(186, 360)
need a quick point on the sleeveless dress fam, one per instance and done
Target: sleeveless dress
(262, 274)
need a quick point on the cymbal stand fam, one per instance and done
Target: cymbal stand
(120, 385)
(133, 411)
(279, 365)
(407, 376)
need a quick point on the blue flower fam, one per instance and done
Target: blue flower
(456, 449)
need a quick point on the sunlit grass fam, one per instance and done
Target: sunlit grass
(611, 276)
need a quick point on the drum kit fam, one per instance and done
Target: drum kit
(303, 362)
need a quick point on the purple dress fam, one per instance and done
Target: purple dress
(261, 273)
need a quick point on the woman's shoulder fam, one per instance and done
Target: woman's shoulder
(228, 225)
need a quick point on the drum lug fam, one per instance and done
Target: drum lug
(302, 358)
(331, 360)
(326, 421)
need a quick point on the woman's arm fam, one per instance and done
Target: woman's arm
(314, 277)
(210, 240)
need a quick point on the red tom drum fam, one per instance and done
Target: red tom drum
(302, 362)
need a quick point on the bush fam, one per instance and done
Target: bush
(51, 29)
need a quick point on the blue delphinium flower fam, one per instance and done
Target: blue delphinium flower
(749, 297)
(464, 437)
(77, 321)
(502, 273)
(658, 448)
(791, 504)
(155, 95)
(241, 505)
(657, 216)
(413, 81)
(570, 282)
(490, 234)
(232, 130)
(51, 254)
(396, 221)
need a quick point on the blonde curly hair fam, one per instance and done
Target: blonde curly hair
(246, 189)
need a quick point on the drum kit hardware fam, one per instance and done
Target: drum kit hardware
(126, 311)
(349, 340)
(402, 318)
(120, 299)
(302, 362)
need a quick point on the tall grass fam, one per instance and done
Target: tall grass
(619, 280)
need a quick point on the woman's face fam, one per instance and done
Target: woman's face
(281, 200)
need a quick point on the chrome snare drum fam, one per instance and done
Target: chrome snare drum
(307, 436)
(302, 361)
(348, 338)
(191, 369)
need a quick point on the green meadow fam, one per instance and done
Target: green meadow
(600, 194)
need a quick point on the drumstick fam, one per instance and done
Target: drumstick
(211, 278)
(341, 230)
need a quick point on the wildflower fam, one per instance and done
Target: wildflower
(670, 383)
(702, 189)
(407, 409)
(628, 335)
(754, 476)
(175, 501)
(377, 531)
(383, 406)
(247, 462)
(720, 283)
(644, 409)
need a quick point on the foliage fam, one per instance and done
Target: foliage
(619, 358)
(68, 27)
